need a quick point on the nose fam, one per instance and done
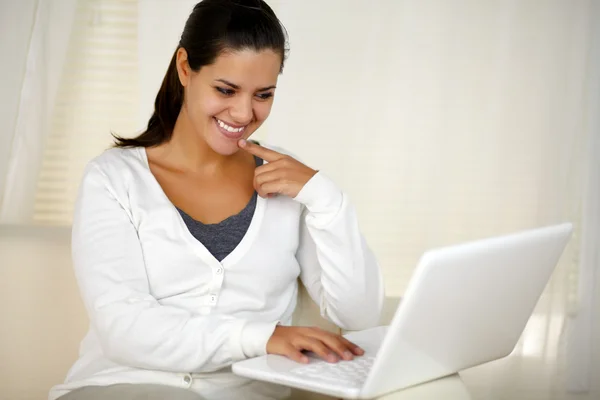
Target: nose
(241, 111)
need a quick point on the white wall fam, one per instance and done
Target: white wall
(159, 28)
(445, 121)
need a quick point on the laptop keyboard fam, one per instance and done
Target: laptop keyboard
(352, 372)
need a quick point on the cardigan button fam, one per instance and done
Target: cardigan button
(187, 380)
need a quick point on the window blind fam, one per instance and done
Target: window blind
(97, 95)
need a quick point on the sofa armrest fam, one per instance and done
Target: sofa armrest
(390, 304)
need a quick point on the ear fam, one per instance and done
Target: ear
(183, 67)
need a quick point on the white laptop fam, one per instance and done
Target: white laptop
(465, 305)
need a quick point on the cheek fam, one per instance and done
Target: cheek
(262, 110)
(212, 105)
(201, 106)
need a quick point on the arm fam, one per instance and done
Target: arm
(132, 327)
(338, 269)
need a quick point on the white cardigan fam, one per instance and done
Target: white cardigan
(164, 310)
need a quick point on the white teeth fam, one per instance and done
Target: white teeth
(229, 128)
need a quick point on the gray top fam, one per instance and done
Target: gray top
(220, 239)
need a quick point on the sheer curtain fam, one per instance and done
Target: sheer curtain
(585, 325)
(43, 66)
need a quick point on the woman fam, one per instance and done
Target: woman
(188, 240)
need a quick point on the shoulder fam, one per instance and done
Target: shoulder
(116, 166)
(115, 159)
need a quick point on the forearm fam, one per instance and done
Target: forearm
(339, 269)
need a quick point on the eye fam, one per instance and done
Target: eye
(224, 91)
(265, 96)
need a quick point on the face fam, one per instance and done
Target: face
(231, 98)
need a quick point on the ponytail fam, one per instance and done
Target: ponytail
(166, 110)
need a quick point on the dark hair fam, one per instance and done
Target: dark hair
(213, 26)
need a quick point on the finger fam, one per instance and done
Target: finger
(357, 350)
(317, 347)
(269, 189)
(339, 346)
(337, 343)
(294, 354)
(260, 151)
(269, 167)
(269, 176)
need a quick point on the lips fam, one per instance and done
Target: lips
(230, 131)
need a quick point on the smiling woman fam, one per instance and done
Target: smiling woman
(188, 240)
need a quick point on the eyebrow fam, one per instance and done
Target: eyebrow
(233, 85)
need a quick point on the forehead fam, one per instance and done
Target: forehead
(245, 68)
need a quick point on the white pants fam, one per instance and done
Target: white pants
(160, 392)
(131, 392)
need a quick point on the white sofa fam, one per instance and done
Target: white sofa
(43, 318)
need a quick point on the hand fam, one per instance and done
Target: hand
(282, 175)
(290, 341)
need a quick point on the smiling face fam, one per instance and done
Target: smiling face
(229, 99)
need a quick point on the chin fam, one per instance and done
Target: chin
(224, 148)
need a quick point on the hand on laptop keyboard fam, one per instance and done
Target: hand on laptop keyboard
(291, 341)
